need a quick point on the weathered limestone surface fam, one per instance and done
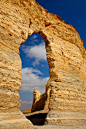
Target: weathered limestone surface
(66, 57)
(41, 101)
(38, 101)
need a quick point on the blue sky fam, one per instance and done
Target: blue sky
(35, 70)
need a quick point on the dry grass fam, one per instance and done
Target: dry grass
(26, 111)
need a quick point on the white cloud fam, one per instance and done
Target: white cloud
(33, 37)
(30, 70)
(30, 80)
(26, 105)
(38, 52)
(25, 102)
(36, 62)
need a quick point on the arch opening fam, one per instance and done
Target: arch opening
(35, 72)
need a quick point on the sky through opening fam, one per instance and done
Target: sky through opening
(35, 69)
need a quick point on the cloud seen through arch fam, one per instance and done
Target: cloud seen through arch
(37, 51)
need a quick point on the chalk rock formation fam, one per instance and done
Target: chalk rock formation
(38, 101)
(41, 101)
(66, 58)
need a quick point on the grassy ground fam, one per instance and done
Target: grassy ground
(26, 111)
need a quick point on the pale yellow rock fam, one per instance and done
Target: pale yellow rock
(41, 101)
(66, 58)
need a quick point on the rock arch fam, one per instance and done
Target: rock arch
(66, 57)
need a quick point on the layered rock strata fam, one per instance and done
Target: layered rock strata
(66, 58)
(41, 101)
(38, 101)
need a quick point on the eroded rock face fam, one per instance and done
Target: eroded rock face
(38, 101)
(66, 58)
(41, 101)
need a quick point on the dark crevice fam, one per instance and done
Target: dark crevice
(30, 23)
(47, 25)
(10, 34)
(37, 119)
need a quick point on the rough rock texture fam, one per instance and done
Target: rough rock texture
(66, 57)
(41, 101)
(38, 101)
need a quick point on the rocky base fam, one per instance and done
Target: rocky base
(12, 120)
(65, 118)
(16, 125)
(45, 127)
